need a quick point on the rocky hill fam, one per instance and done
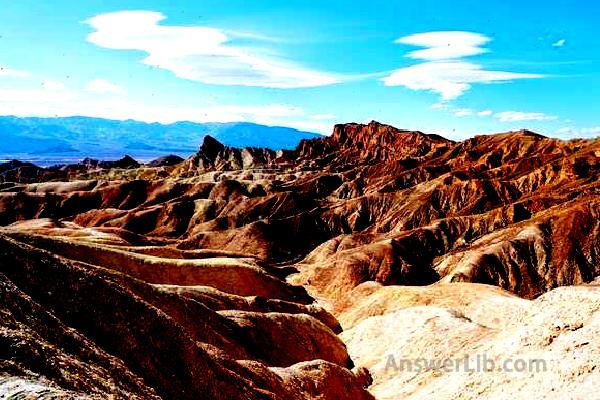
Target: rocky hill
(199, 281)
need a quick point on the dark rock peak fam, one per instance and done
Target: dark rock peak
(211, 147)
(12, 164)
(124, 163)
(90, 162)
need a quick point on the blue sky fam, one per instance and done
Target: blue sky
(456, 68)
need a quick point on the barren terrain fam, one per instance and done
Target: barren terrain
(259, 274)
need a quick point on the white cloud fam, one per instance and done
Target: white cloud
(595, 131)
(463, 112)
(255, 113)
(62, 103)
(446, 45)
(517, 116)
(571, 132)
(467, 112)
(504, 116)
(449, 78)
(323, 116)
(47, 103)
(198, 53)
(20, 99)
(102, 86)
(8, 72)
(438, 106)
(559, 43)
(444, 72)
(53, 86)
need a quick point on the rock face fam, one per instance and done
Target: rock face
(214, 156)
(202, 276)
(18, 171)
(495, 346)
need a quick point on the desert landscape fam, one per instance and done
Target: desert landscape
(315, 273)
(299, 200)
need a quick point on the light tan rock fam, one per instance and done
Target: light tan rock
(553, 338)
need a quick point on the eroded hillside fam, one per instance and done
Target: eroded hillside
(198, 281)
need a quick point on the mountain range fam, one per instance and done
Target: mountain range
(73, 138)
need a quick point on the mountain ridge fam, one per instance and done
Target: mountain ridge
(105, 138)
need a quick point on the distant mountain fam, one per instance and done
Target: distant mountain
(73, 137)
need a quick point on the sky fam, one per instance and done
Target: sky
(456, 68)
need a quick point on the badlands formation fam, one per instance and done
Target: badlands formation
(327, 272)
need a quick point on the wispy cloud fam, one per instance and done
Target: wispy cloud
(322, 116)
(53, 100)
(559, 43)
(447, 45)
(502, 116)
(29, 101)
(53, 86)
(254, 36)
(200, 53)
(9, 72)
(463, 112)
(101, 86)
(444, 70)
(467, 112)
(518, 116)
(572, 132)
(44, 102)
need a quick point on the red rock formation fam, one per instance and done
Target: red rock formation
(92, 330)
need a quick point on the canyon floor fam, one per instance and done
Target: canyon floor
(373, 263)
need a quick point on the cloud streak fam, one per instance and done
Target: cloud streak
(101, 86)
(445, 45)
(444, 71)
(571, 132)
(518, 116)
(53, 86)
(48, 102)
(13, 73)
(53, 99)
(503, 116)
(199, 53)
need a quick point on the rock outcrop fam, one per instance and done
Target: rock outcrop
(214, 156)
(469, 341)
(18, 171)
